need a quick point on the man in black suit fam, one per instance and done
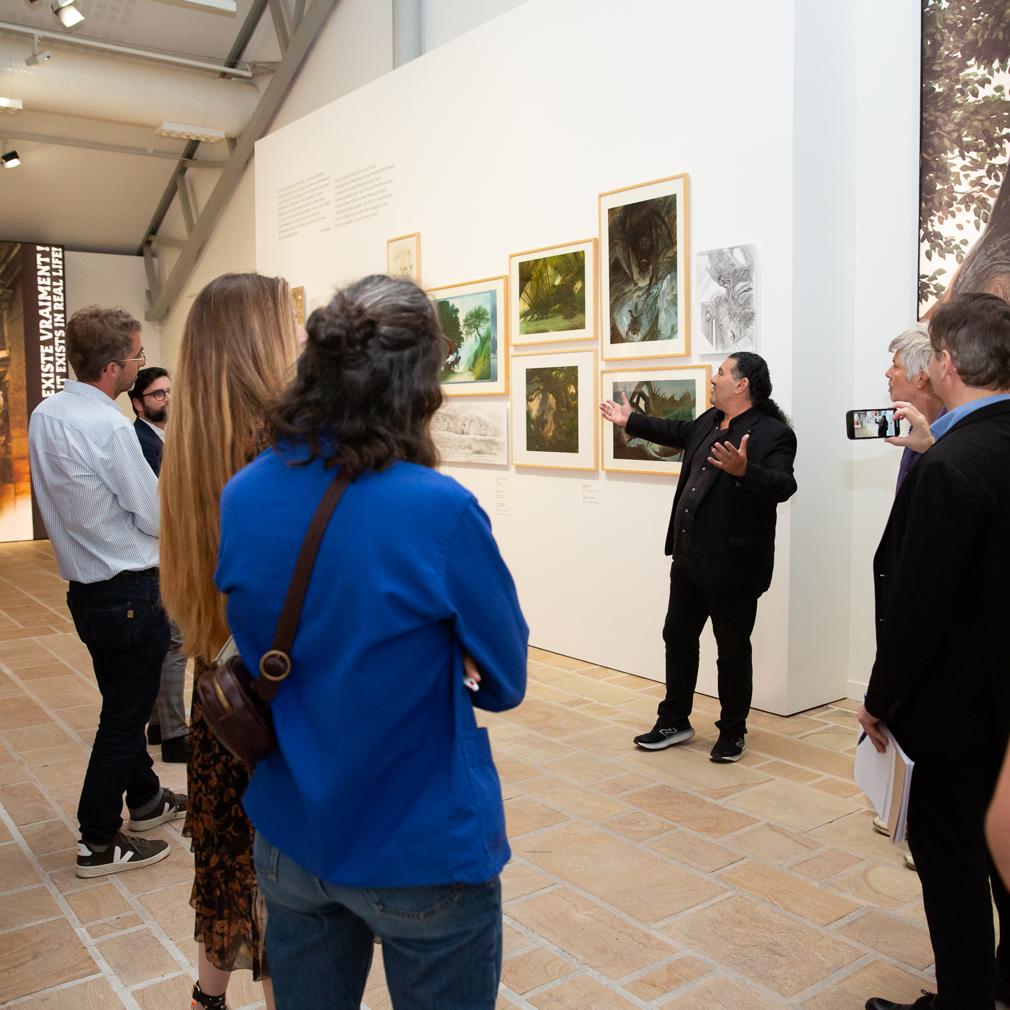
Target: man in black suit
(150, 397)
(738, 465)
(940, 679)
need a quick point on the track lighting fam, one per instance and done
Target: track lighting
(11, 106)
(39, 55)
(68, 14)
(9, 158)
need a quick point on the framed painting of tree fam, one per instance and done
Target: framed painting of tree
(554, 406)
(680, 393)
(645, 292)
(964, 195)
(553, 293)
(474, 319)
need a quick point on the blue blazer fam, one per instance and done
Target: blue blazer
(150, 444)
(382, 777)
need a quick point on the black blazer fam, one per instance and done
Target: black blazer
(941, 677)
(734, 526)
(151, 444)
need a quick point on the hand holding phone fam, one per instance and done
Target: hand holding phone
(919, 438)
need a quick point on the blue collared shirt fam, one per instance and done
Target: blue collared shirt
(943, 424)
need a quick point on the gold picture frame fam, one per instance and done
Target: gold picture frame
(403, 257)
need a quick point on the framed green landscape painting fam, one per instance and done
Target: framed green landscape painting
(554, 293)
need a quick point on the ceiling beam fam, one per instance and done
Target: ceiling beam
(94, 145)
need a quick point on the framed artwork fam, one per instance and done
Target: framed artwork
(467, 432)
(403, 257)
(644, 289)
(298, 301)
(553, 293)
(677, 394)
(474, 320)
(724, 322)
(554, 409)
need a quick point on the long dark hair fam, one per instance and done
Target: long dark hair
(752, 367)
(367, 383)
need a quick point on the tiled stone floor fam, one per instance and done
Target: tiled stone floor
(638, 880)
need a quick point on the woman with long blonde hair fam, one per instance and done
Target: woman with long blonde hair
(238, 348)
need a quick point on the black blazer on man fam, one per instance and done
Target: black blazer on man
(734, 527)
(150, 443)
(941, 677)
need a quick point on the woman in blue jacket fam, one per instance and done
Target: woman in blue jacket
(380, 813)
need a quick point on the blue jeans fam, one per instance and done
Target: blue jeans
(441, 944)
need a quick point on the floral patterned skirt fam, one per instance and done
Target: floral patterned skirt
(230, 913)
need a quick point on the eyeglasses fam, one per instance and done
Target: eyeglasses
(158, 394)
(142, 358)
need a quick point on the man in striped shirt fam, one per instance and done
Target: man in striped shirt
(99, 500)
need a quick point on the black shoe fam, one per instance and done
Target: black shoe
(662, 736)
(170, 807)
(201, 999)
(927, 1001)
(122, 853)
(729, 747)
(175, 751)
(154, 734)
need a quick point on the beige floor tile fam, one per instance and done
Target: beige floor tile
(177, 867)
(791, 805)
(523, 815)
(695, 850)
(892, 936)
(137, 957)
(63, 753)
(840, 739)
(608, 740)
(25, 804)
(839, 787)
(721, 994)
(512, 769)
(174, 992)
(603, 691)
(22, 908)
(579, 993)
(688, 810)
(13, 771)
(631, 879)
(97, 901)
(886, 886)
(100, 930)
(550, 718)
(665, 980)
(32, 738)
(788, 893)
(15, 869)
(638, 825)
(826, 864)
(20, 711)
(242, 990)
(800, 753)
(81, 718)
(41, 956)
(762, 945)
(623, 784)
(518, 880)
(65, 692)
(558, 661)
(772, 844)
(513, 939)
(591, 934)
(682, 766)
(583, 768)
(793, 725)
(95, 994)
(877, 979)
(533, 747)
(43, 670)
(855, 834)
(577, 801)
(783, 770)
(534, 969)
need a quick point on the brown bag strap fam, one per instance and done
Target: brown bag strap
(275, 665)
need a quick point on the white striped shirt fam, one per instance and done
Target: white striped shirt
(97, 494)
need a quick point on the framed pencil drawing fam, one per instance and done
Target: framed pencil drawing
(554, 409)
(676, 394)
(474, 318)
(468, 432)
(644, 266)
(724, 304)
(403, 257)
(553, 293)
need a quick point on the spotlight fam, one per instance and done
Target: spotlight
(12, 106)
(9, 158)
(38, 56)
(68, 14)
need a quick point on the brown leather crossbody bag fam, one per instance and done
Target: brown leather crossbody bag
(235, 705)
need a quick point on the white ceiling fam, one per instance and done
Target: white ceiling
(96, 200)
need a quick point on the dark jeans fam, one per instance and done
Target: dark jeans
(947, 805)
(441, 944)
(126, 631)
(732, 622)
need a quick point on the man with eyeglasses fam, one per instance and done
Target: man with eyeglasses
(99, 500)
(150, 397)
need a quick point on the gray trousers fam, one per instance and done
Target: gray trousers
(170, 708)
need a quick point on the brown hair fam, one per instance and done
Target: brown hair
(96, 336)
(975, 329)
(368, 380)
(237, 349)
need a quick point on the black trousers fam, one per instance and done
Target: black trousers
(732, 622)
(126, 631)
(947, 804)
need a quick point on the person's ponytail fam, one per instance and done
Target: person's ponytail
(752, 367)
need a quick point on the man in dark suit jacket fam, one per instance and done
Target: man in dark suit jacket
(150, 398)
(940, 680)
(738, 465)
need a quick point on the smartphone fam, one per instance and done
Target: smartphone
(877, 422)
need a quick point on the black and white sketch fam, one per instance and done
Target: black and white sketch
(472, 433)
(725, 292)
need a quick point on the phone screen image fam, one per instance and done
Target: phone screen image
(876, 422)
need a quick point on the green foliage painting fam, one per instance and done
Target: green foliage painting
(470, 324)
(552, 294)
(552, 409)
(671, 399)
(964, 201)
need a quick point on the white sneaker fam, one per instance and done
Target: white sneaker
(122, 853)
(171, 807)
(880, 826)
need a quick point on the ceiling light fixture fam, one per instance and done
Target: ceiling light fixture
(211, 6)
(183, 131)
(39, 55)
(9, 158)
(12, 106)
(68, 14)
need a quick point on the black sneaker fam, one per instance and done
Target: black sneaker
(662, 736)
(170, 807)
(927, 1001)
(122, 853)
(729, 747)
